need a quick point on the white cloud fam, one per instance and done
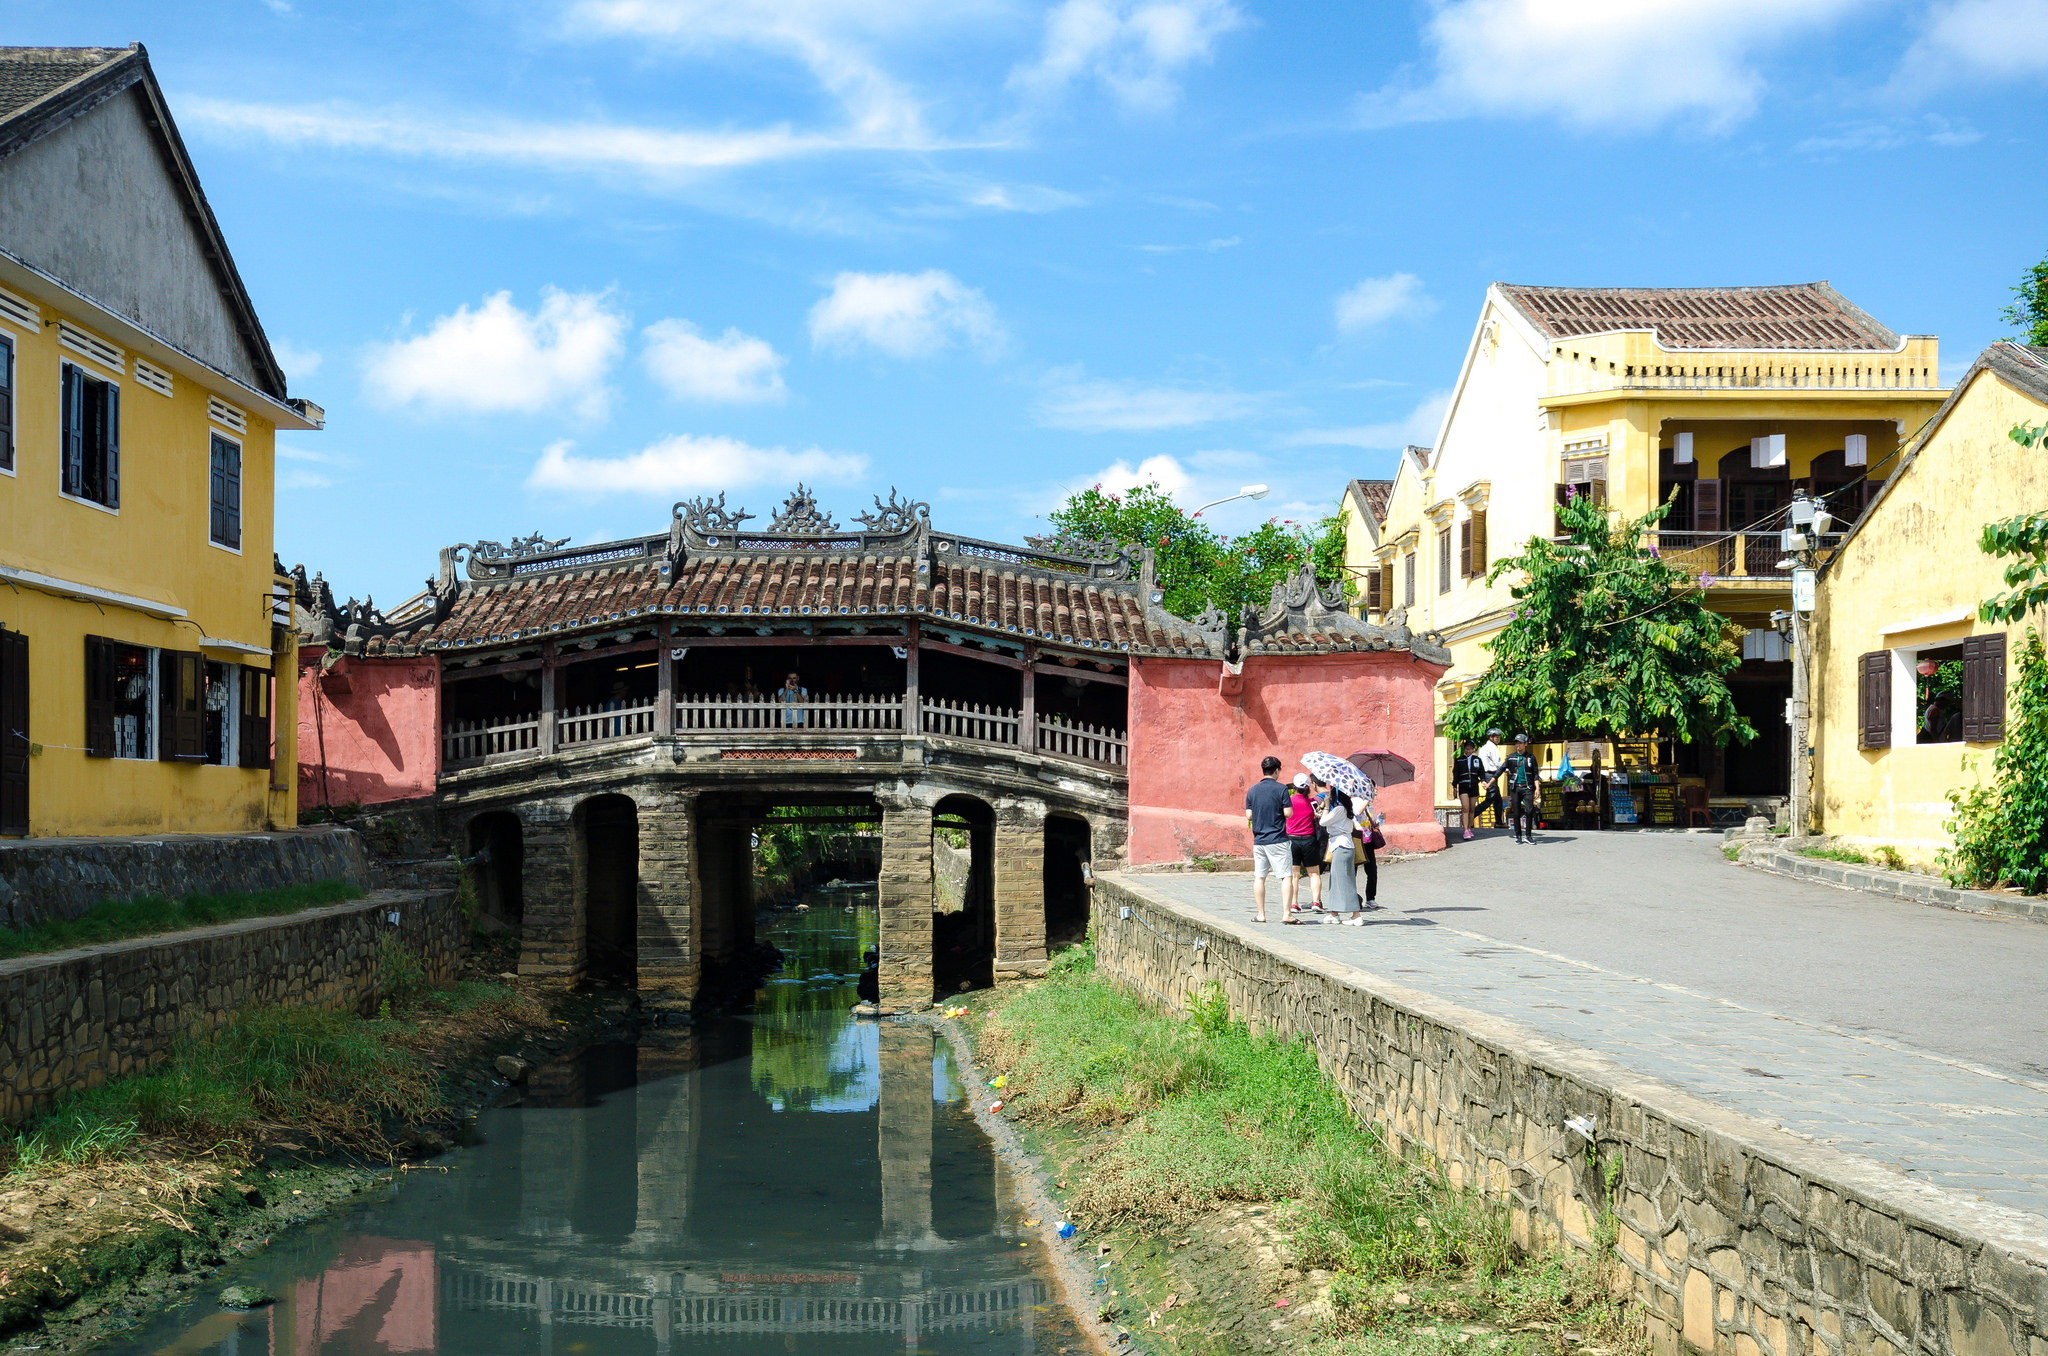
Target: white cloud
(734, 368)
(498, 358)
(1120, 476)
(687, 464)
(1615, 65)
(904, 315)
(1396, 296)
(1209, 247)
(1858, 137)
(1130, 407)
(1419, 428)
(298, 363)
(1138, 49)
(297, 479)
(1999, 39)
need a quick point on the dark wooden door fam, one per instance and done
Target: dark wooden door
(14, 734)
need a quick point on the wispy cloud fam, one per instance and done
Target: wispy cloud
(498, 358)
(1133, 407)
(1207, 247)
(1138, 50)
(298, 363)
(1375, 300)
(1857, 137)
(1978, 39)
(1623, 66)
(687, 464)
(1420, 428)
(734, 368)
(905, 315)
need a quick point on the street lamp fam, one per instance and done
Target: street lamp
(1248, 492)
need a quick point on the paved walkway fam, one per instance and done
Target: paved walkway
(1912, 1034)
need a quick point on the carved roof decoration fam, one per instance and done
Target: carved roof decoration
(711, 572)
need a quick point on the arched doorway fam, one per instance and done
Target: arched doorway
(607, 860)
(963, 895)
(1068, 851)
(497, 868)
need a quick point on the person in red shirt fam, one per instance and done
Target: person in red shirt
(1306, 842)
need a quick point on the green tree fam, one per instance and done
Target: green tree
(2024, 538)
(1195, 566)
(2029, 309)
(1607, 639)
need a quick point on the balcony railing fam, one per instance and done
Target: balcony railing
(614, 720)
(828, 712)
(972, 721)
(473, 741)
(1732, 555)
(1084, 743)
(1746, 371)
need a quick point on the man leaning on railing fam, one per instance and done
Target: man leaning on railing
(792, 694)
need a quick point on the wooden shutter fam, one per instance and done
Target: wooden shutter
(99, 697)
(254, 735)
(73, 440)
(13, 732)
(110, 433)
(1465, 548)
(226, 525)
(6, 404)
(1479, 561)
(181, 728)
(1387, 586)
(1563, 496)
(1984, 688)
(1443, 561)
(1874, 700)
(1408, 584)
(1373, 595)
(1706, 506)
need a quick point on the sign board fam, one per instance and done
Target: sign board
(1552, 808)
(1665, 805)
(1802, 590)
(1623, 803)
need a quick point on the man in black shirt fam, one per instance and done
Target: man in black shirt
(1265, 814)
(1521, 770)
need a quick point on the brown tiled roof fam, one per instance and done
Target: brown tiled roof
(29, 75)
(1375, 496)
(1799, 316)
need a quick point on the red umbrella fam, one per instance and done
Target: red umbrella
(1384, 766)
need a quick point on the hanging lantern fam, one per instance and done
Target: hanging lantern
(1928, 668)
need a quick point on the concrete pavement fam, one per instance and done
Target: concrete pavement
(1912, 1034)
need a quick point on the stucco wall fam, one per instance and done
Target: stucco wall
(1194, 751)
(369, 729)
(1915, 558)
(1739, 1239)
(74, 1019)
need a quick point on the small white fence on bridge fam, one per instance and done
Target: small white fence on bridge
(605, 720)
(473, 741)
(1082, 742)
(977, 722)
(769, 715)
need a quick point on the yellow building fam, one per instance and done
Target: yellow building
(1363, 509)
(139, 641)
(1729, 398)
(1899, 599)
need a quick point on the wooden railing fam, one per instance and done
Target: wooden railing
(1732, 555)
(1086, 743)
(1713, 371)
(472, 741)
(970, 720)
(604, 720)
(827, 712)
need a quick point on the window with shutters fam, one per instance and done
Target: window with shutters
(1387, 586)
(1937, 693)
(181, 707)
(90, 438)
(1374, 600)
(226, 497)
(1984, 688)
(120, 706)
(6, 404)
(253, 738)
(14, 733)
(1408, 580)
(1443, 560)
(220, 694)
(1465, 549)
(1478, 526)
(1582, 477)
(1874, 700)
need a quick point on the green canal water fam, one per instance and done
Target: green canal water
(785, 1180)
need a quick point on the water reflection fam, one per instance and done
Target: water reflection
(790, 1179)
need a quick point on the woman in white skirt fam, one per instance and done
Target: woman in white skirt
(1340, 895)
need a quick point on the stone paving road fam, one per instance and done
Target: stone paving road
(1915, 1035)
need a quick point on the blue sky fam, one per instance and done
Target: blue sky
(554, 266)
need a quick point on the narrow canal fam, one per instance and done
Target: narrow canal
(787, 1179)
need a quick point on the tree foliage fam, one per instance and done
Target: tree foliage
(1197, 567)
(2029, 309)
(1607, 640)
(2000, 831)
(2024, 538)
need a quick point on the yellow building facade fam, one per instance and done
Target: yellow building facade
(1910, 686)
(1724, 400)
(146, 680)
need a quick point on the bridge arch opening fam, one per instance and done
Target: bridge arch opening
(606, 861)
(963, 895)
(1069, 854)
(496, 849)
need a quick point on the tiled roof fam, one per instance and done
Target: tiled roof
(1375, 496)
(1799, 316)
(30, 74)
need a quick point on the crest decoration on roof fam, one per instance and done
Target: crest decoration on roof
(705, 515)
(898, 515)
(517, 549)
(800, 514)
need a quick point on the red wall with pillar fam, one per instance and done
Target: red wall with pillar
(1195, 749)
(369, 729)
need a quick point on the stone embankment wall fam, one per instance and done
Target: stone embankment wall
(46, 878)
(1741, 1239)
(74, 1019)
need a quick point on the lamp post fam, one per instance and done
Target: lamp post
(1808, 518)
(1248, 492)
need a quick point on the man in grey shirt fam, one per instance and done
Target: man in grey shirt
(1265, 814)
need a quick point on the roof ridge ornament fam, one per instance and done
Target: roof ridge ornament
(705, 515)
(896, 516)
(800, 516)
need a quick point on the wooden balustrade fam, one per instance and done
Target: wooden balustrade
(1731, 555)
(1084, 743)
(829, 712)
(974, 721)
(604, 720)
(473, 741)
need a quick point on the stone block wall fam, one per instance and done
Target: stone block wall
(1020, 888)
(1740, 1239)
(50, 878)
(74, 1019)
(904, 894)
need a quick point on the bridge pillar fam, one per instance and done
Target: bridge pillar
(670, 904)
(905, 1136)
(551, 933)
(725, 877)
(1020, 889)
(904, 894)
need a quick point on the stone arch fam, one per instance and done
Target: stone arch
(1068, 861)
(495, 847)
(604, 860)
(964, 937)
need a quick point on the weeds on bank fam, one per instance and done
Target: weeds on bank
(145, 917)
(1208, 1112)
(1836, 854)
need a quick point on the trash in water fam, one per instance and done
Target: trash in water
(999, 1081)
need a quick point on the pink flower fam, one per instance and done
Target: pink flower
(1707, 581)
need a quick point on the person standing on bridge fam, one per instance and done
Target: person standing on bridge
(1265, 814)
(792, 694)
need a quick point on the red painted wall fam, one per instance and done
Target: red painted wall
(369, 729)
(1194, 751)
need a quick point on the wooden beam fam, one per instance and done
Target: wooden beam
(449, 675)
(605, 651)
(754, 642)
(664, 682)
(1027, 713)
(547, 698)
(985, 656)
(913, 715)
(1088, 675)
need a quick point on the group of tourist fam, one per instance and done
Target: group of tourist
(1477, 774)
(1311, 833)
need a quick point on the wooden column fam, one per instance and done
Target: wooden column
(913, 719)
(1027, 725)
(547, 696)
(665, 680)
